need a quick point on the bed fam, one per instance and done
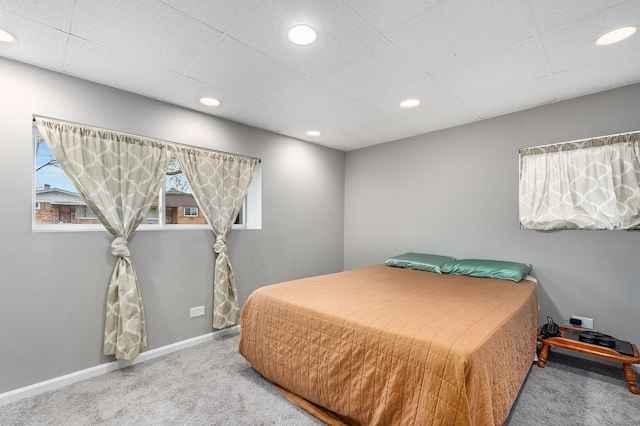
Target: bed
(382, 345)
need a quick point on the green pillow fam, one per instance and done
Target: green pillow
(419, 261)
(488, 269)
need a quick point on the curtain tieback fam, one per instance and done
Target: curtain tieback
(220, 245)
(119, 247)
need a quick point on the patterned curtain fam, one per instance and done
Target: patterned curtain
(219, 183)
(119, 177)
(589, 184)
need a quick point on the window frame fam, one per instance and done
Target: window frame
(184, 211)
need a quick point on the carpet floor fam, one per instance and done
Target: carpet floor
(211, 384)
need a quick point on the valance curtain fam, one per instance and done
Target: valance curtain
(588, 184)
(119, 176)
(219, 183)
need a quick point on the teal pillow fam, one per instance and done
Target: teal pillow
(487, 269)
(419, 261)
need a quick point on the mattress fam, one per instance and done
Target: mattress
(384, 346)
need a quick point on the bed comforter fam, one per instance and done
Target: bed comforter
(386, 346)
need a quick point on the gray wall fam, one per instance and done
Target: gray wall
(53, 285)
(455, 192)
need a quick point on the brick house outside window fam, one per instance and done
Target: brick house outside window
(55, 205)
(176, 202)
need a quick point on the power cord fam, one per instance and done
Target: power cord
(550, 329)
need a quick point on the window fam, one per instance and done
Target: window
(583, 184)
(84, 212)
(191, 211)
(58, 206)
(180, 205)
(241, 219)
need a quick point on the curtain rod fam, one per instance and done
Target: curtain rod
(581, 140)
(146, 137)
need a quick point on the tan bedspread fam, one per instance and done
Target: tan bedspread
(385, 346)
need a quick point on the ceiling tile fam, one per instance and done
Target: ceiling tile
(386, 14)
(51, 13)
(528, 95)
(269, 118)
(329, 137)
(37, 44)
(352, 144)
(430, 93)
(218, 14)
(96, 63)
(506, 67)
(458, 31)
(549, 14)
(600, 75)
(573, 45)
(383, 131)
(340, 32)
(367, 123)
(310, 99)
(241, 69)
(377, 66)
(426, 118)
(145, 29)
(187, 93)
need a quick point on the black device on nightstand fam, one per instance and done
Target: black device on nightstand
(596, 338)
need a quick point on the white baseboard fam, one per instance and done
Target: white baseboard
(58, 382)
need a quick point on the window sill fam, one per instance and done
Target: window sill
(68, 227)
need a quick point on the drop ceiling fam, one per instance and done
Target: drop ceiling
(464, 60)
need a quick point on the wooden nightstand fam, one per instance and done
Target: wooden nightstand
(590, 349)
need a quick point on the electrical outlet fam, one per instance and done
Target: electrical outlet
(197, 312)
(586, 322)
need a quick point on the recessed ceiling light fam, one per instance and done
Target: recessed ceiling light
(313, 133)
(302, 34)
(409, 103)
(209, 101)
(615, 35)
(6, 36)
